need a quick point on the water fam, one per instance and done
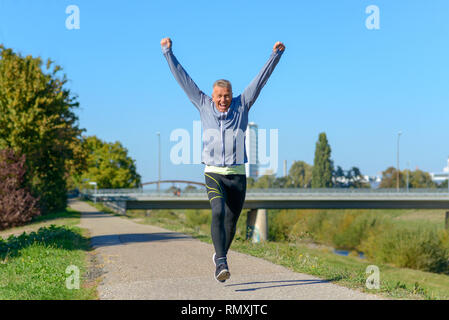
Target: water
(346, 253)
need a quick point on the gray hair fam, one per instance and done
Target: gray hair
(223, 83)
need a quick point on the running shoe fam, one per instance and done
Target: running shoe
(222, 271)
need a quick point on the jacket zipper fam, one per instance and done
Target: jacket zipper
(222, 141)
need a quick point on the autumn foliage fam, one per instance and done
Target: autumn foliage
(17, 205)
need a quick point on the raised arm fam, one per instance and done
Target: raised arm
(251, 92)
(187, 84)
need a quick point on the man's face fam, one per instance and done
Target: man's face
(222, 98)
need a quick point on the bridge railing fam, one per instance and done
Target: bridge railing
(282, 192)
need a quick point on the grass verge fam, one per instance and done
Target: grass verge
(33, 265)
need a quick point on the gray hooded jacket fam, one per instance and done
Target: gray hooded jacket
(223, 132)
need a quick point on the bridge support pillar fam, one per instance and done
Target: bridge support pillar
(257, 225)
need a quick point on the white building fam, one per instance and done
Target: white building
(252, 166)
(374, 181)
(439, 177)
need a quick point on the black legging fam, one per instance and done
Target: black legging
(226, 195)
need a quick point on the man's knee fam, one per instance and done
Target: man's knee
(218, 212)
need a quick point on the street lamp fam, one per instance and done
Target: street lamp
(159, 161)
(408, 170)
(397, 164)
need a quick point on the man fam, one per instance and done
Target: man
(224, 120)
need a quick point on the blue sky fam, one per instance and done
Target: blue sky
(360, 86)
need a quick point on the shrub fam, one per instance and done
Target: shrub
(354, 228)
(377, 236)
(281, 224)
(63, 237)
(341, 230)
(17, 205)
(415, 248)
(198, 218)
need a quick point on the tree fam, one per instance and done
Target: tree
(420, 179)
(37, 120)
(17, 205)
(355, 179)
(389, 178)
(250, 182)
(339, 178)
(416, 179)
(442, 185)
(108, 164)
(264, 182)
(174, 190)
(300, 175)
(322, 164)
(190, 188)
(280, 182)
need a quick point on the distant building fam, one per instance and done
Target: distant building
(374, 181)
(252, 166)
(268, 172)
(439, 177)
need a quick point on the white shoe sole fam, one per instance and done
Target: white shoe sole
(223, 275)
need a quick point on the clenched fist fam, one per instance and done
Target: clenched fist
(166, 42)
(278, 46)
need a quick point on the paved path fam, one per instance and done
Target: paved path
(146, 262)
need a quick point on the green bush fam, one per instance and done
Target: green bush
(341, 230)
(378, 236)
(415, 248)
(280, 225)
(198, 218)
(353, 229)
(62, 237)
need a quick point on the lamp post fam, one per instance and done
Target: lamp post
(408, 170)
(397, 164)
(159, 161)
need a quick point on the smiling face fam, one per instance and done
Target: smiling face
(222, 97)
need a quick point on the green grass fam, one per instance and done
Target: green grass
(396, 283)
(33, 264)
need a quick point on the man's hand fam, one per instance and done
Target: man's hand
(166, 42)
(279, 46)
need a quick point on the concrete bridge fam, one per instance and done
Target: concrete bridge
(259, 200)
(283, 199)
